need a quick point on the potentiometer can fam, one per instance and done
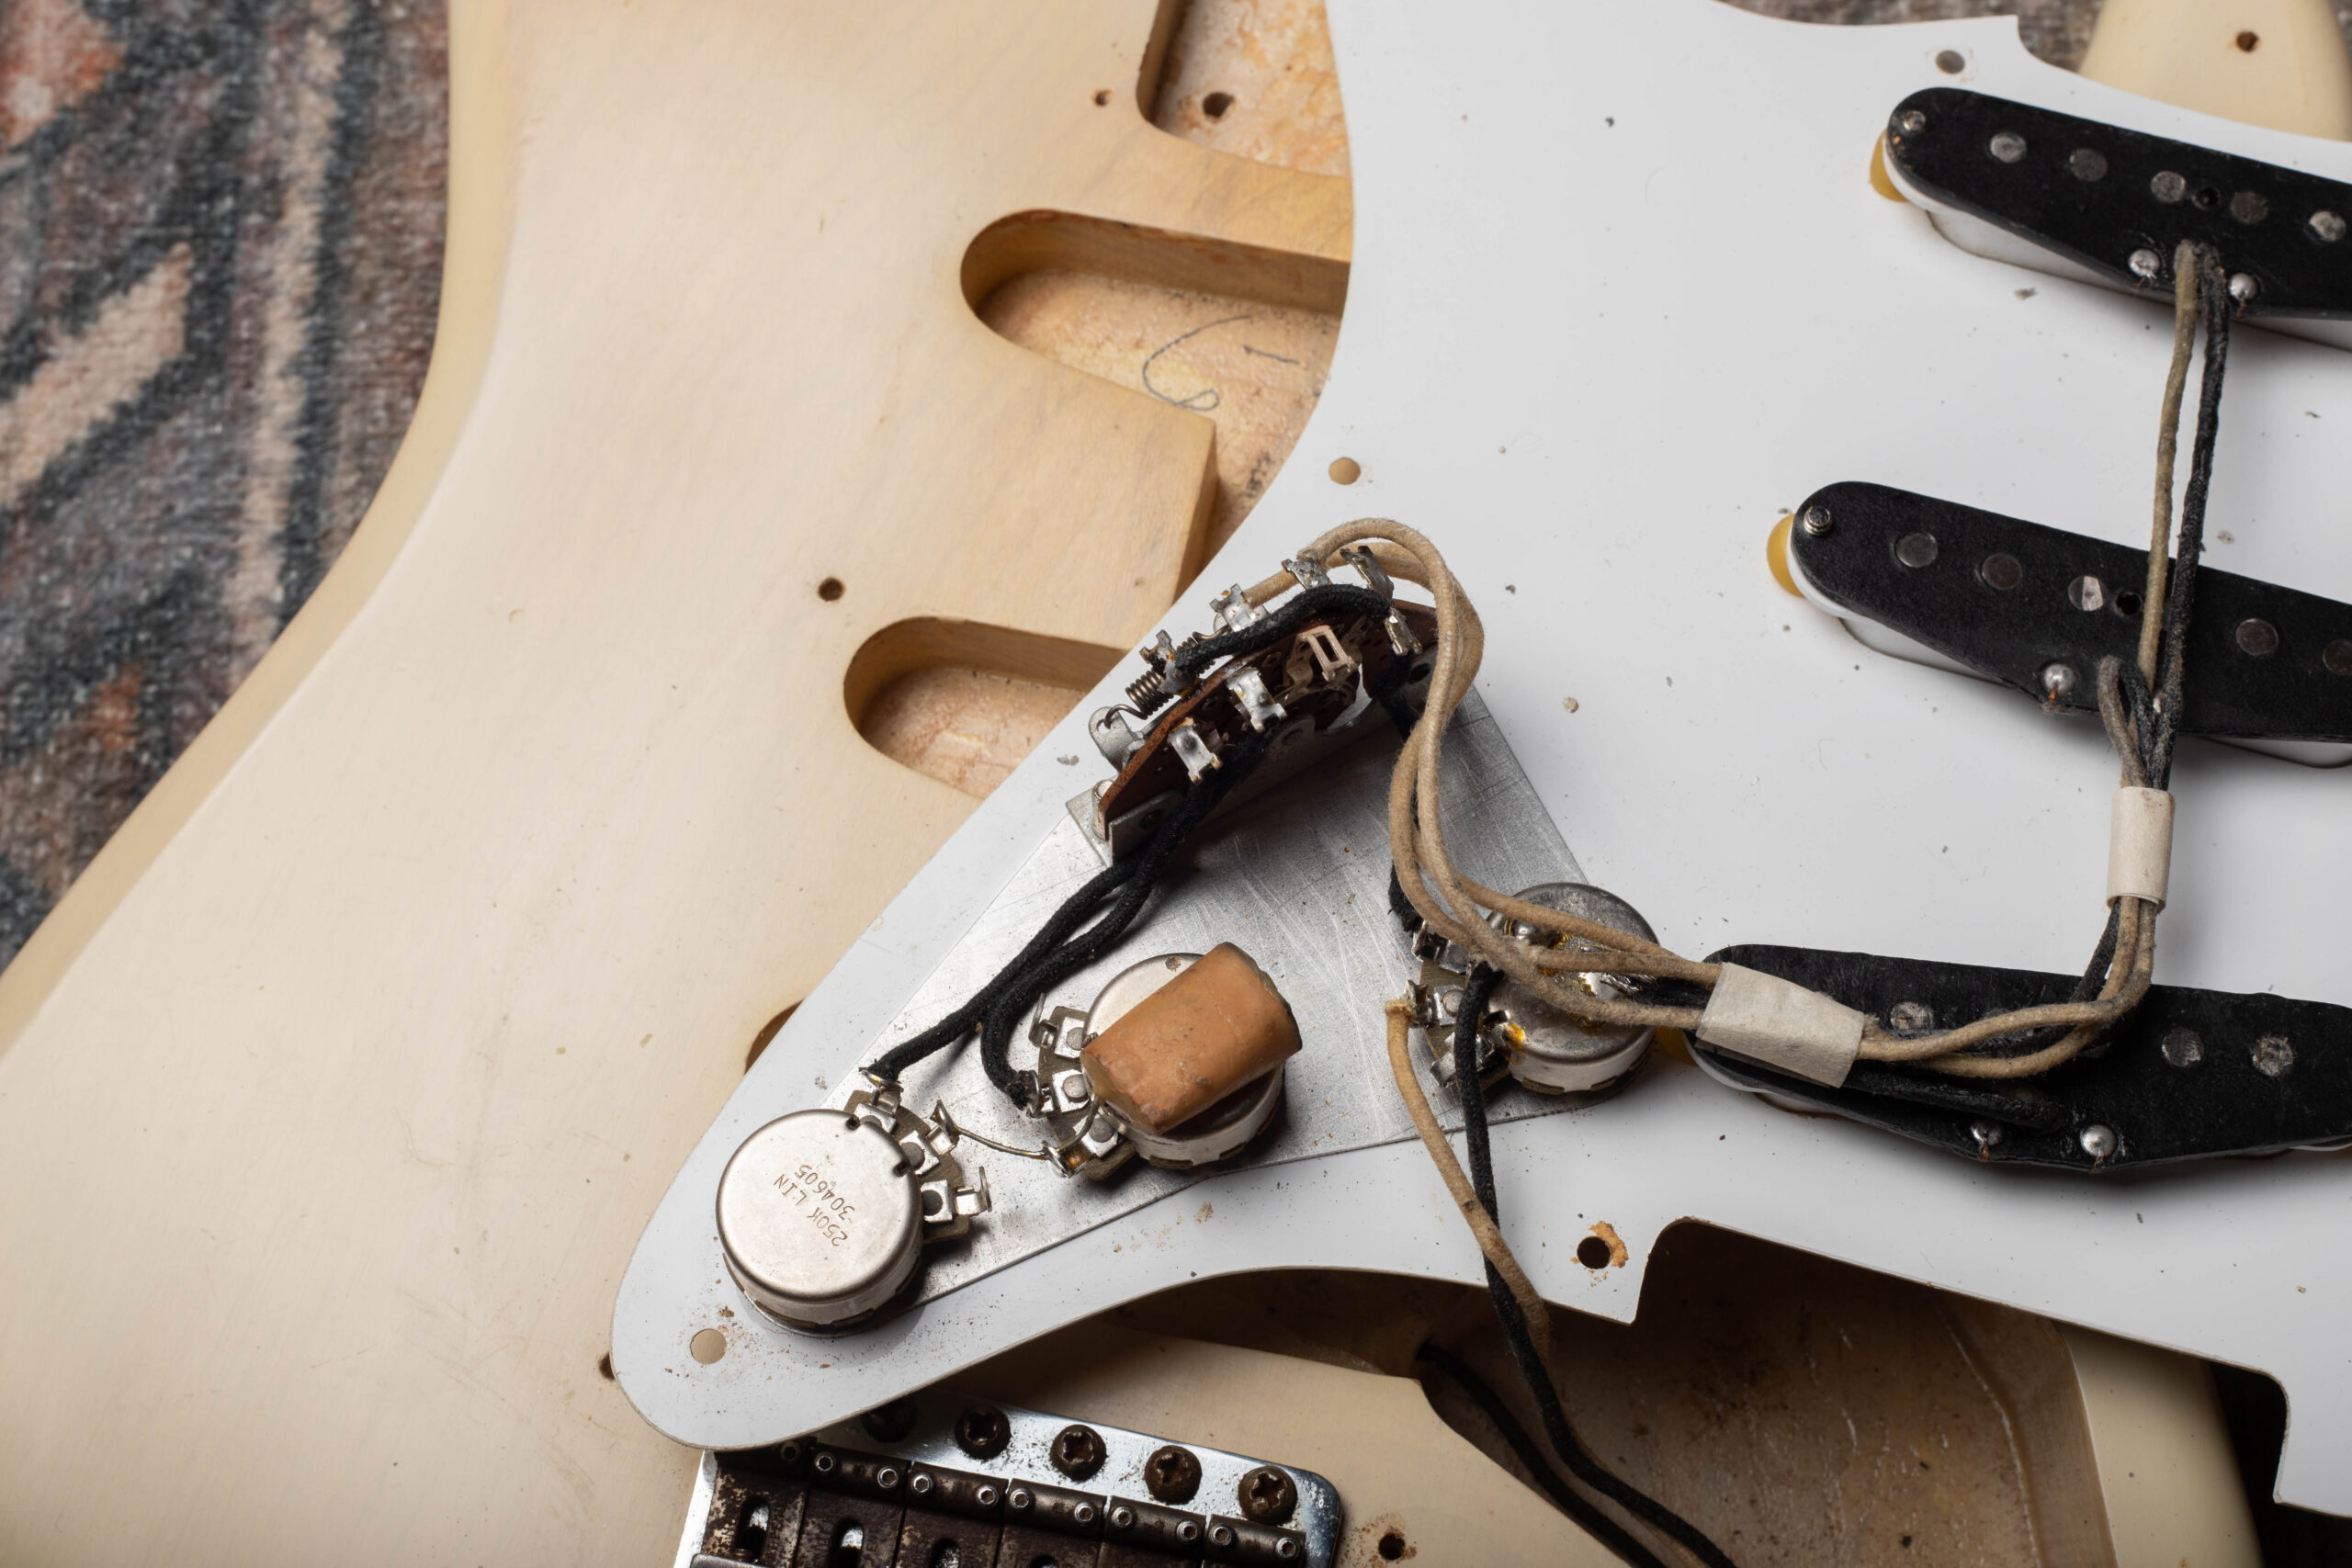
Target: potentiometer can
(1545, 1048)
(821, 1220)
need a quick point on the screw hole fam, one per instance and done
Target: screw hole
(831, 590)
(1593, 1252)
(2248, 42)
(1215, 104)
(1952, 63)
(1102, 98)
(1346, 470)
(2127, 603)
(1392, 1546)
(707, 1346)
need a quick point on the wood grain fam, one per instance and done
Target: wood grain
(1251, 77)
(337, 1089)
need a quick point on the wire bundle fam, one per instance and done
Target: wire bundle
(2140, 704)
(1119, 892)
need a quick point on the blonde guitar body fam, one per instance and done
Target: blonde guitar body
(336, 1092)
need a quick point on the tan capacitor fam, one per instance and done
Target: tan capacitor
(1219, 1026)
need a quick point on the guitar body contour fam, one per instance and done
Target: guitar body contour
(335, 1094)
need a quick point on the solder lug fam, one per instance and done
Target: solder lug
(1248, 689)
(1368, 566)
(1233, 609)
(1192, 750)
(1113, 736)
(948, 1202)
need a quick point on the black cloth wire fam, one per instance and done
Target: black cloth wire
(1566, 1499)
(1015, 997)
(1060, 948)
(2155, 716)
(2180, 592)
(1477, 988)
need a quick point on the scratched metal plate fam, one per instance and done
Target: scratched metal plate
(1298, 879)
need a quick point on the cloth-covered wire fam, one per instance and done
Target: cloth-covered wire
(1065, 945)
(1520, 1316)
(1566, 1499)
(2143, 726)
(2140, 702)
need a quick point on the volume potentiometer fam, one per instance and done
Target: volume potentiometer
(822, 1215)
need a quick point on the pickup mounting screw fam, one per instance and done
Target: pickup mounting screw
(2098, 1141)
(2327, 225)
(1817, 521)
(2146, 264)
(2006, 145)
(2243, 288)
(1911, 1017)
(2059, 681)
(2168, 187)
(2256, 638)
(1268, 1496)
(1077, 1451)
(1910, 122)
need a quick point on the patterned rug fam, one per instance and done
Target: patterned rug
(220, 251)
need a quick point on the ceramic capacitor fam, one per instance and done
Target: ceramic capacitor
(1217, 1027)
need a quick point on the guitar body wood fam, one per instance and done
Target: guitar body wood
(336, 1093)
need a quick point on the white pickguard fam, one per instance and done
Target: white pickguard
(1623, 293)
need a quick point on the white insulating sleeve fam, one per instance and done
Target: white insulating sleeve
(1782, 1025)
(2139, 845)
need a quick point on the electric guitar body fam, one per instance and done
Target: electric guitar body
(1689, 305)
(336, 1094)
